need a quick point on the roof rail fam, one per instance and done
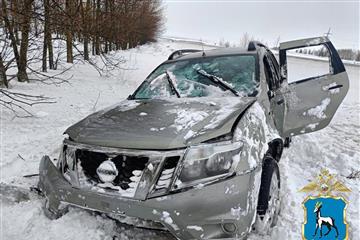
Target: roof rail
(182, 52)
(253, 44)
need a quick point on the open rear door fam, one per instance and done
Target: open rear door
(311, 103)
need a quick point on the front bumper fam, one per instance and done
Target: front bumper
(198, 213)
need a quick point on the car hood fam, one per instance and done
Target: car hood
(160, 124)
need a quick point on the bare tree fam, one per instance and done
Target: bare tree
(244, 41)
(277, 43)
(25, 28)
(69, 6)
(97, 27)
(85, 15)
(17, 102)
(47, 45)
(9, 28)
(3, 77)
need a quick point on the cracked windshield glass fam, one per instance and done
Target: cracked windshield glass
(202, 77)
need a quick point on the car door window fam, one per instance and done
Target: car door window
(276, 68)
(269, 74)
(303, 65)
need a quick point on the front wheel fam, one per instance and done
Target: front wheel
(269, 197)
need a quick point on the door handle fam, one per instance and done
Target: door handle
(335, 87)
(280, 101)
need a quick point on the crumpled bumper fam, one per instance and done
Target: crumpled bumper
(198, 213)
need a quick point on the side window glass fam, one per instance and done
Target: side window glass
(269, 74)
(308, 62)
(276, 68)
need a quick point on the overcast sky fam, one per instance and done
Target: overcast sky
(265, 20)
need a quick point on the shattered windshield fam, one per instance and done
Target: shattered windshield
(202, 77)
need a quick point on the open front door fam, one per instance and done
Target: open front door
(311, 103)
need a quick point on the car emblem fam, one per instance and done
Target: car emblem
(107, 171)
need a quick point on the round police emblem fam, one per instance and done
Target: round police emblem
(107, 171)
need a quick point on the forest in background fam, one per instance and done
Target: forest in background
(32, 26)
(345, 54)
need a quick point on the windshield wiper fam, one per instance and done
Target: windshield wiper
(218, 81)
(172, 84)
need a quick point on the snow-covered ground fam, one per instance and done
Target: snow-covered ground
(24, 141)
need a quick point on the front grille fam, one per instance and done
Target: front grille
(130, 169)
(133, 173)
(167, 173)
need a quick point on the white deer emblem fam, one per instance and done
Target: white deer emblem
(329, 222)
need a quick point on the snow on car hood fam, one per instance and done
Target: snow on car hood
(160, 123)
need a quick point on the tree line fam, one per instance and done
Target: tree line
(346, 54)
(99, 25)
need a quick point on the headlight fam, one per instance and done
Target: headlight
(208, 162)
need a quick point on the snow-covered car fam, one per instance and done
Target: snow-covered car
(195, 149)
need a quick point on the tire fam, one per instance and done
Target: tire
(269, 196)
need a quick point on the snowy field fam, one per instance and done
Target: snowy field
(25, 140)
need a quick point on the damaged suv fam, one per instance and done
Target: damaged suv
(195, 149)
